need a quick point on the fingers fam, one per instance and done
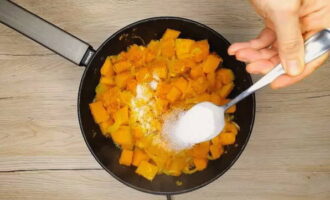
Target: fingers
(237, 46)
(265, 38)
(252, 55)
(262, 66)
(286, 80)
(289, 40)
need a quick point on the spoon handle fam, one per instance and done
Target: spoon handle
(315, 46)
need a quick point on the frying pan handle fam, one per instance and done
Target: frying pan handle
(45, 33)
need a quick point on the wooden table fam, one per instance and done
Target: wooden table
(42, 152)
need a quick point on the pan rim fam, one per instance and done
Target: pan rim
(249, 81)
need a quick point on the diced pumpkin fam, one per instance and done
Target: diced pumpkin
(137, 132)
(227, 138)
(176, 67)
(196, 71)
(181, 83)
(183, 47)
(214, 98)
(200, 50)
(201, 150)
(160, 71)
(167, 48)
(153, 47)
(143, 75)
(122, 136)
(98, 111)
(174, 94)
(131, 85)
(106, 69)
(161, 105)
(225, 75)
(105, 125)
(211, 80)
(231, 128)
(100, 89)
(216, 140)
(122, 78)
(139, 156)
(171, 34)
(216, 151)
(135, 53)
(126, 157)
(175, 167)
(107, 80)
(232, 109)
(163, 89)
(200, 163)
(211, 63)
(199, 85)
(226, 90)
(121, 115)
(122, 66)
(147, 170)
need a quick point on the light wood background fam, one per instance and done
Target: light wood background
(42, 152)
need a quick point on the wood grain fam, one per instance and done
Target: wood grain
(42, 152)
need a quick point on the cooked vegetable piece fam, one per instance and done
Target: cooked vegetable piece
(171, 34)
(106, 69)
(98, 111)
(226, 76)
(227, 138)
(174, 94)
(200, 163)
(123, 136)
(211, 63)
(147, 170)
(183, 47)
(139, 156)
(126, 157)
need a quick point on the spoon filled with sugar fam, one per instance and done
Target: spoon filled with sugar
(205, 120)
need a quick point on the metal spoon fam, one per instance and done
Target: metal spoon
(315, 46)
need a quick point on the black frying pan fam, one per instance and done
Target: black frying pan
(141, 32)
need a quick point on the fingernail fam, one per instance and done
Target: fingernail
(293, 67)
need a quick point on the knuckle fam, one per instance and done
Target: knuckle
(290, 46)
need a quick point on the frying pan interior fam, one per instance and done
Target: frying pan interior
(107, 154)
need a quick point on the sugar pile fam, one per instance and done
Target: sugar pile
(200, 123)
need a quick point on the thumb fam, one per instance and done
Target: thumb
(290, 41)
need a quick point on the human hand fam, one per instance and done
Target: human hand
(287, 24)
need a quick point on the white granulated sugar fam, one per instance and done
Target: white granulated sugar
(153, 84)
(200, 123)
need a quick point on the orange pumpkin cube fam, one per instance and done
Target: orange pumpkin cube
(200, 50)
(131, 85)
(143, 75)
(137, 132)
(181, 83)
(201, 150)
(171, 34)
(183, 47)
(106, 69)
(226, 76)
(126, 157)
(121, 79)
(200, 163)
(167, 48)
(122, 136)
(107, 80)
(121, 115)
(196, 71)
(226, 90)
(227, 138)
(139, 156)
(147, 170)
(99, 112)
(231, 128)
(232, 109)
(122, 66)
(174, 94)
(216, 151)
(211, 79)
(211, 63)
(160, 71)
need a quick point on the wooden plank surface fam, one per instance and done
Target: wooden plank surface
(42, 152)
